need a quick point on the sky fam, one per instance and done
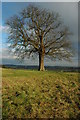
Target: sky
(39, 0)
(0, 33)
(69, 15)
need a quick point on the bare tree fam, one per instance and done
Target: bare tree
(39, 31)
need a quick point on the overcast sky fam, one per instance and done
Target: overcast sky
(69, 15)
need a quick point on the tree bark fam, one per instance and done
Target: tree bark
(41, 62)
(41, 54)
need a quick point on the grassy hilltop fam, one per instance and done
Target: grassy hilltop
(35, 94)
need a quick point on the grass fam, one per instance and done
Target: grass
(34, 94)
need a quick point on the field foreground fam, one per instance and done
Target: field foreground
(35, 94)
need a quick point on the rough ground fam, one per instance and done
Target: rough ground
(34, 94)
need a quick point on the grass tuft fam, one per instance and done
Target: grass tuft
(34, 94)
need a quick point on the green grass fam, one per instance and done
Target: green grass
(34, 94)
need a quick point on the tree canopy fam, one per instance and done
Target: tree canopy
(41, 32)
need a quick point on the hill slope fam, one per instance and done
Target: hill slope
(34, 94)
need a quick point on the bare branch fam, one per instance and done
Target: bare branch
(37, 30)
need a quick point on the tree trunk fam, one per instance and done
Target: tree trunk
(41, 62)
(41, 54)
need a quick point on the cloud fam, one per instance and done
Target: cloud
(8, 58)
(6, 54)
(4, 29)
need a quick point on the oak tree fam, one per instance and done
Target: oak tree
(41, 32)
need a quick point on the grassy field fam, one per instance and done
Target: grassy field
(34, 94)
